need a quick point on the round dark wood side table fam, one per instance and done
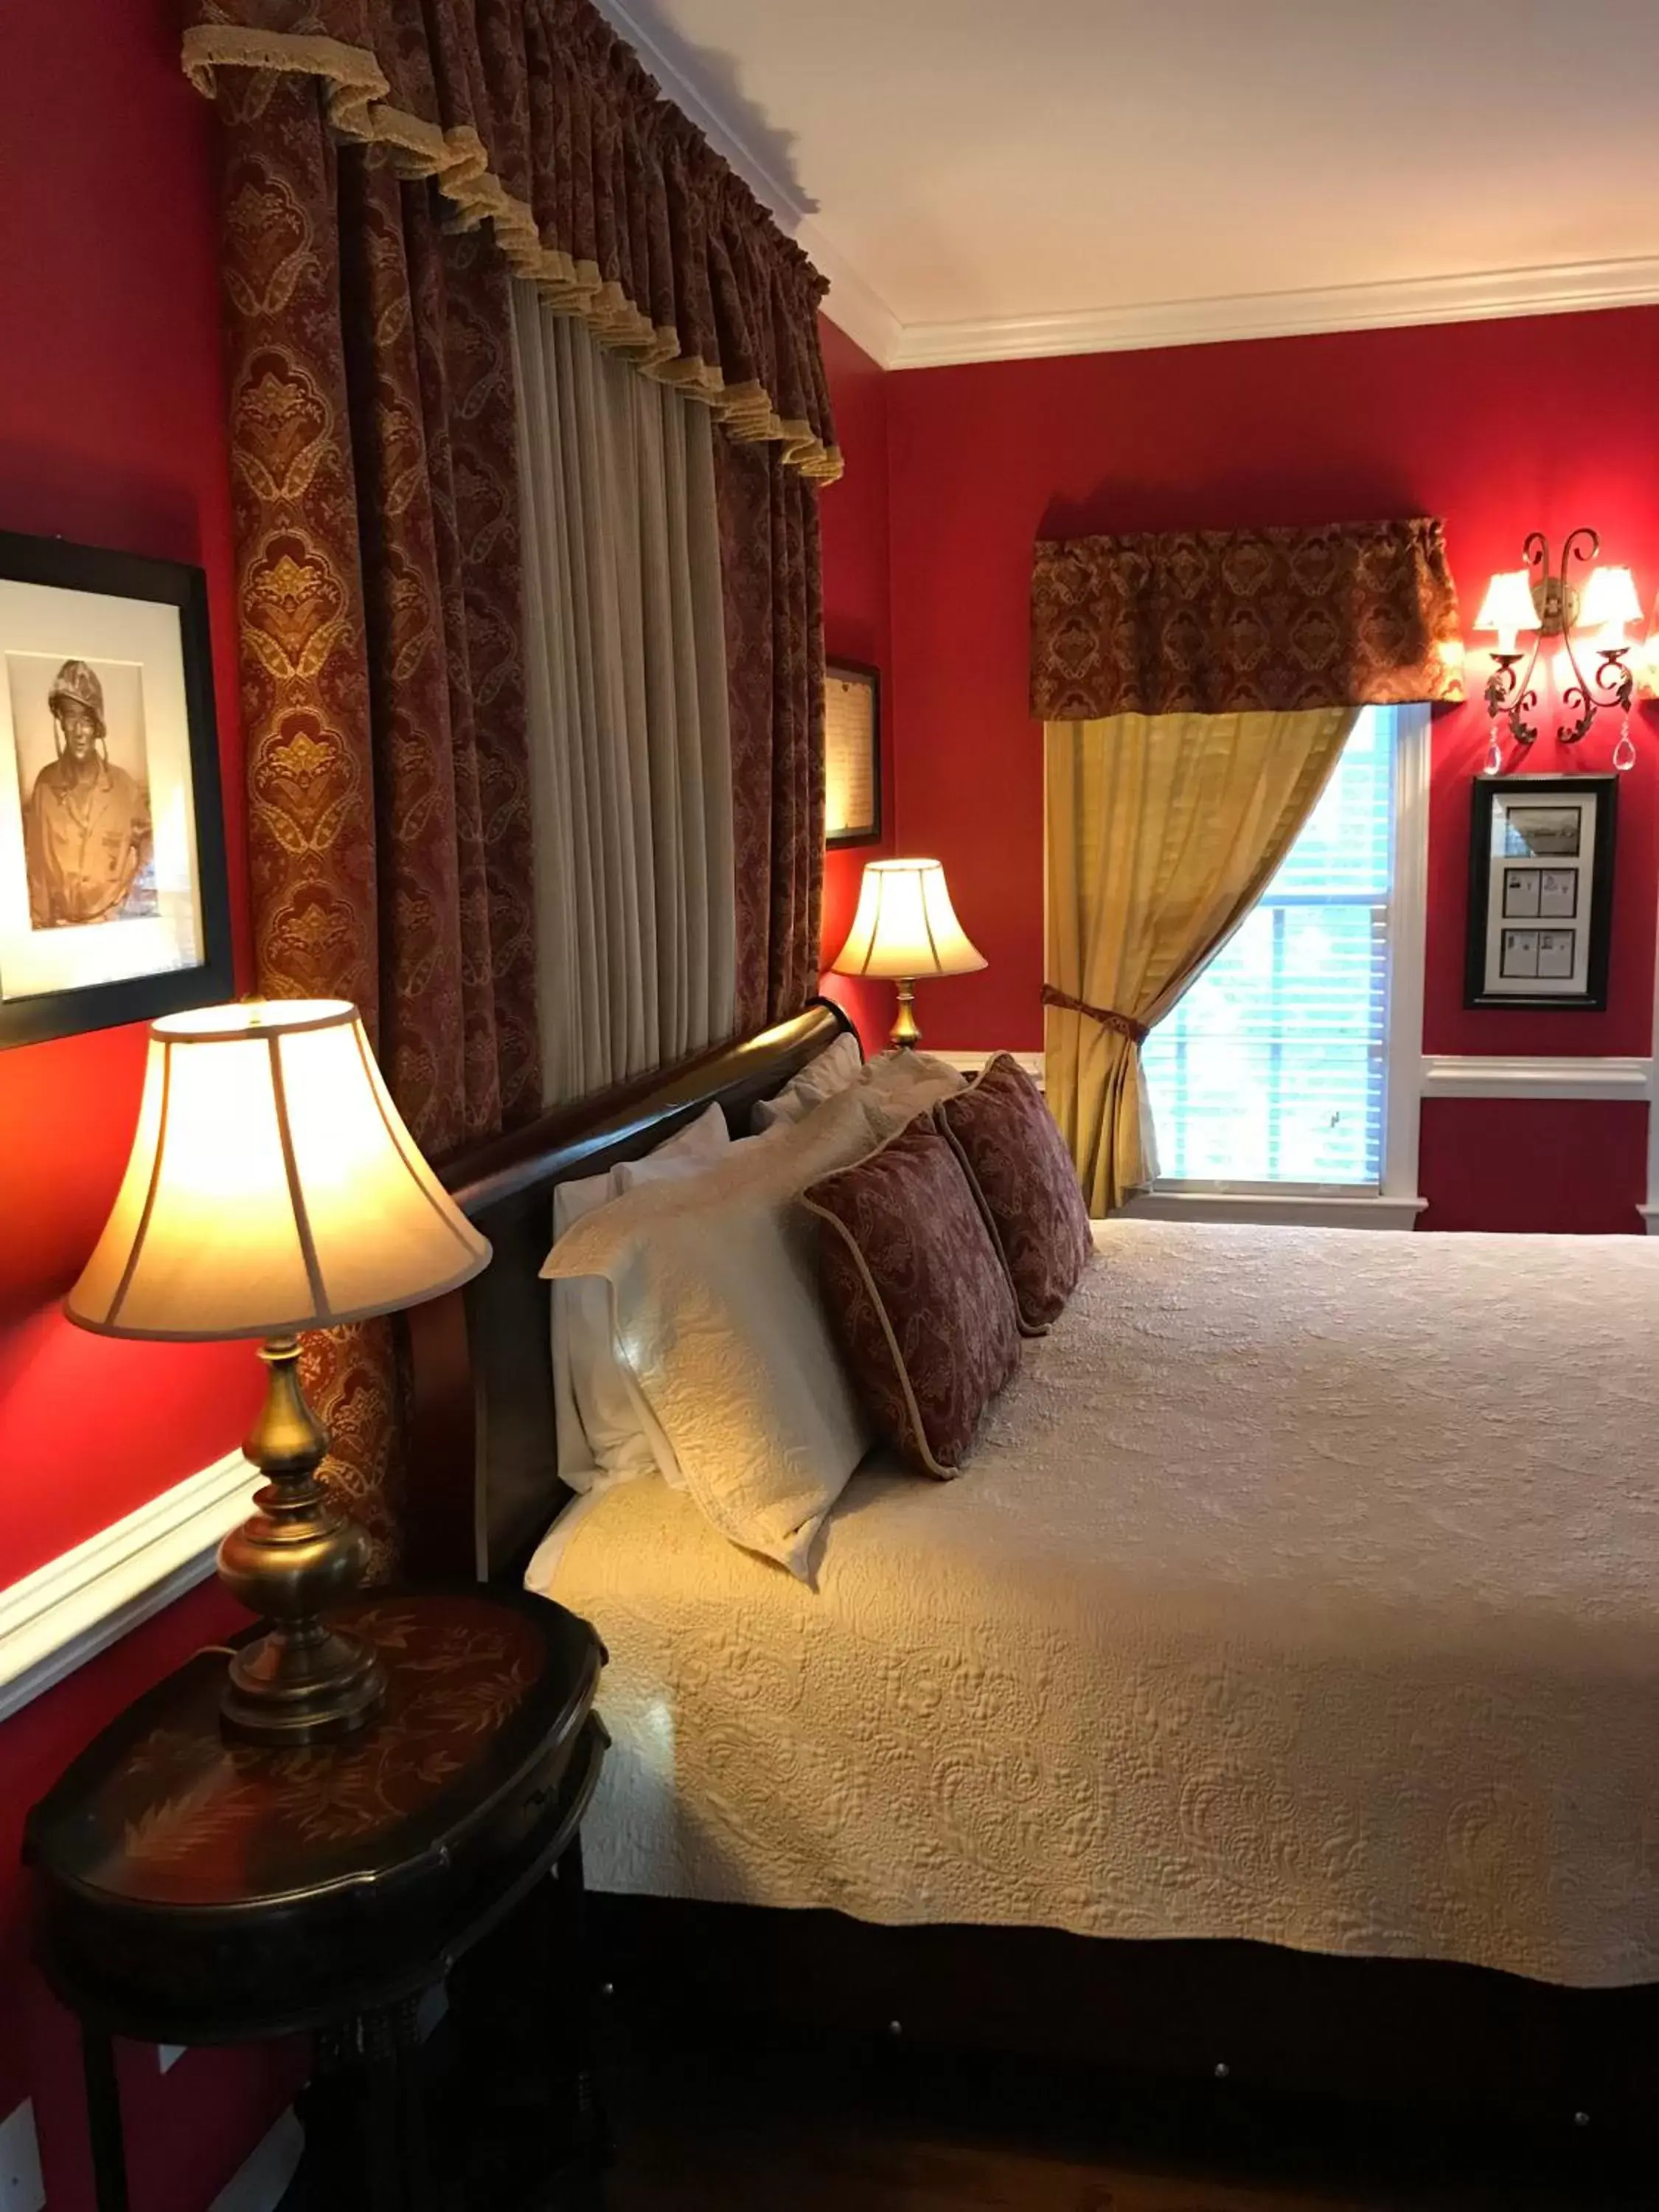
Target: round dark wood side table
(195, 1890)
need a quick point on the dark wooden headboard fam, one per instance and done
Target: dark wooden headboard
(483, 1479)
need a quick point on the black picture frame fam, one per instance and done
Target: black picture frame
(57, 564)
(861, 677)
(1489, 947)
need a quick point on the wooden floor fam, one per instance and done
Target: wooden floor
(716, 2134)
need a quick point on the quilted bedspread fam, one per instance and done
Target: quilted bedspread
(1303, 1586)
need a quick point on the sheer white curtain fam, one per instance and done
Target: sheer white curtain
(630, 742)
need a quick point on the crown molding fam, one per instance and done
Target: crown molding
(56, 1618)
(782, 194)
(851, 304)
(1571, 288)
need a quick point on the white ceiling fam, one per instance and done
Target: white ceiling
(981, 178)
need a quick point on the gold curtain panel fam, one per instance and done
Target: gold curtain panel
(535, 116)
(1161, 835)
(1221, 621)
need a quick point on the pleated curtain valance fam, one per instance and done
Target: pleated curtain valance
(1217, 621)
(534, 115)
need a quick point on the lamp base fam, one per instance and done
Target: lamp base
(282, 1691)
(302, 1681)
(904, 1034)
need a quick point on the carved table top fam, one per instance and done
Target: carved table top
(161, 1812)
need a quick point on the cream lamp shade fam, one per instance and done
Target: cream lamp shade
(1508, 608)
(906, 925)
(272, 1186)
(1610, 604)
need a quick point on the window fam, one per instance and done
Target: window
(1273, 1071)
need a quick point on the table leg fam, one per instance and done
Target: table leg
(398, 2158)
(332, 2109)
(365, 2117)
(570, 1946)
(109, 2162)
(521, 2017)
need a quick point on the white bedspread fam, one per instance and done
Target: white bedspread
(1303, 1586)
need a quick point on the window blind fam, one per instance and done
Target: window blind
(1273, 1069)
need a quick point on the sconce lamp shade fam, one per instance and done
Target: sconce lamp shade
(906, 925)
(1610, 604)
(1508, 608)
(272, 1186)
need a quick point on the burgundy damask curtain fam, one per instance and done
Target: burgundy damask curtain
(534, 116)
(390, 166)
(375, 496)
(772, 573)
(1220, 622)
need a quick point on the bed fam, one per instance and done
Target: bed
(1268, 1702)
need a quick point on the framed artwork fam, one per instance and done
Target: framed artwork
(852, 754)
(1541, 891)
(114, 905)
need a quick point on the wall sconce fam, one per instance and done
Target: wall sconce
(1548, 603)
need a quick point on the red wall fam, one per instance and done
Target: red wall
(111, 417)
(856, 626)
(1497, 427)
(111, 431)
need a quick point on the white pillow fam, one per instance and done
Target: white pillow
(602, 1438)
(662, 1167)
(836, 1066)
(717, 1317)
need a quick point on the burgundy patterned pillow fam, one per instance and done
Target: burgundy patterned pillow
(1017, 1163)
(917, 1296)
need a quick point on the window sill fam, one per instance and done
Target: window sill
(1292, 1209)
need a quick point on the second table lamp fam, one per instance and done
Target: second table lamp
(906, 927)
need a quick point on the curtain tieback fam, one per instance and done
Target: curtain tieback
(1122, 1024)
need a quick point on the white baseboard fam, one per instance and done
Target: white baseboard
(260, 2182)
(56, 1618)
(21, 2188)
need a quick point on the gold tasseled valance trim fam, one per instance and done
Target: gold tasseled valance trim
(728, 288)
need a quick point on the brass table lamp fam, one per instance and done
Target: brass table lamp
(272, 1186)
(906, 927)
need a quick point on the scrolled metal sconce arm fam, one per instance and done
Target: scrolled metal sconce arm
(1511, 696)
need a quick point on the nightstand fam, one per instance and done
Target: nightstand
(193, 1891)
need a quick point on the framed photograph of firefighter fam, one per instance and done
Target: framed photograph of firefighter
(852, 754)
(114, 905)
(1541, 891)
